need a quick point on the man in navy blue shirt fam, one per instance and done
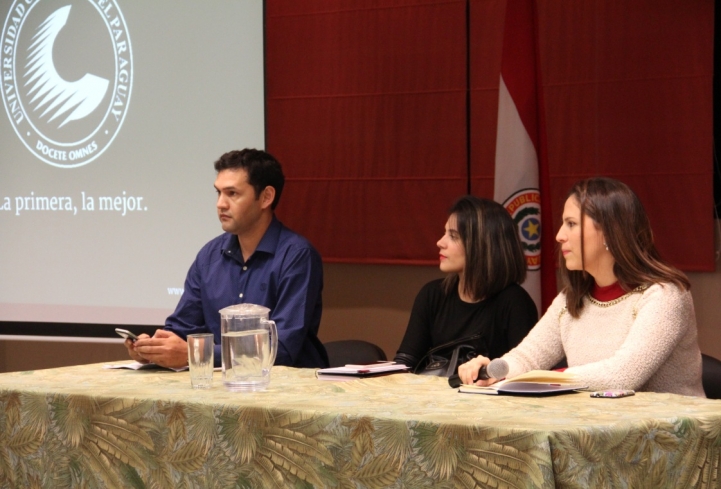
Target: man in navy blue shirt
(257, 260)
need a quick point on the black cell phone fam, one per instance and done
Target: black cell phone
(126, 334)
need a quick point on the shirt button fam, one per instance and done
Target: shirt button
(241, 296)
(245, 268)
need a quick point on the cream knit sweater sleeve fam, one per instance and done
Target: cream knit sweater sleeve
(542, 348)
(646, 340)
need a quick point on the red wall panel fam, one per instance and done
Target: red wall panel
(628, 91)
(366, 110)
(370, 104)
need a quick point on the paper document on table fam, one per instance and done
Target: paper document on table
(143, 366)
(535, 382)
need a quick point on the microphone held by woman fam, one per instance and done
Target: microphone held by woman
(497, 369)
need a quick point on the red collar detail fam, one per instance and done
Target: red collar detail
(608, 293)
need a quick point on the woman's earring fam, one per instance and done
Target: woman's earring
(605, 245)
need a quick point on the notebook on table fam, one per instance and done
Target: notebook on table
(350, 372)
(533, 383)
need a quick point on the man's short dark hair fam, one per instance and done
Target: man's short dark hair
(262, 168)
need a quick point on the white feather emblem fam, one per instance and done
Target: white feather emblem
(51, 92)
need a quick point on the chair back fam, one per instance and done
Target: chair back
(360, 352)
(711, 376)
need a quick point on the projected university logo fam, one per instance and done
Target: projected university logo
(67, 73)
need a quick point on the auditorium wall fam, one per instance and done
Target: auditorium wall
(369, 302)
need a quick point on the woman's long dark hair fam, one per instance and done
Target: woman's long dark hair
(493, 251)
(618, 213)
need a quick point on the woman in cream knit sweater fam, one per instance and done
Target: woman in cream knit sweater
(625, 318)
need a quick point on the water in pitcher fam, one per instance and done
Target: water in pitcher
(248, 354)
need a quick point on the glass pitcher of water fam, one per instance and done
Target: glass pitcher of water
(249, 344)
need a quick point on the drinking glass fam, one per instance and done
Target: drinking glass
(200, 360)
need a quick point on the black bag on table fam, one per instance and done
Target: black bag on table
(443, 360)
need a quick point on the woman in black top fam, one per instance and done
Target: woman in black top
(482, 254)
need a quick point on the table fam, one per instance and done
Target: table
(86, 426)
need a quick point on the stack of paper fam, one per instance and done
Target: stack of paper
(350, 372)
(144, 366)
(535, 382)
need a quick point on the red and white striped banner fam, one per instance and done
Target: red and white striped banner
(518, 139)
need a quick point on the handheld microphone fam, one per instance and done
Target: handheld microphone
(497, 369)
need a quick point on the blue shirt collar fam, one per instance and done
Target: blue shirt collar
(268, 243)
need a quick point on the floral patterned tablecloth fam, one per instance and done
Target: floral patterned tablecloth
(86, 426)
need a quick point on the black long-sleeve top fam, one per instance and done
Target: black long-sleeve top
(438, 318)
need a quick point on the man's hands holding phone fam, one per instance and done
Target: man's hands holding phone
(163, 348)
(126, 334)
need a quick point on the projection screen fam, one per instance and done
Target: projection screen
(113, 114)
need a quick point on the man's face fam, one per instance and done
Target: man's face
(239, 209)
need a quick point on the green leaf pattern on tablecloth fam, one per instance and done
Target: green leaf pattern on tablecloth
(360, 434)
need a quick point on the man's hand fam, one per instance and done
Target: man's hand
(468, 372)
(164, 348)
(130, 345)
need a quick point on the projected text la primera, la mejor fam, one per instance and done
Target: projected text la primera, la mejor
(123, 204)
